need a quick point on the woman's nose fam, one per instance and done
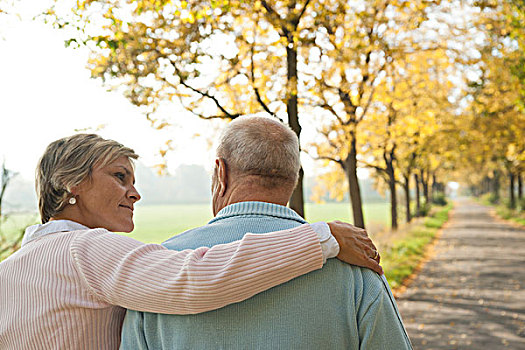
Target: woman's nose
(134, 194)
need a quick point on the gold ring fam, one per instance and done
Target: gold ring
(375, 256)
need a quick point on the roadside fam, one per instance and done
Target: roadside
(403, 251)
(470, 295)
(516, 216)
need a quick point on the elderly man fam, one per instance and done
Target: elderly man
(339, 307)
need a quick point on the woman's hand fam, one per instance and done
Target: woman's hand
(356, 247)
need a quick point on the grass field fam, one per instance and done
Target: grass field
(14, 223)
(11, 231)
(401, 250)
(156, 223)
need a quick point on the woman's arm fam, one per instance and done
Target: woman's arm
(149, 277)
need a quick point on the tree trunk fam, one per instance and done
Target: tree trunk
(435, 186)
(424, 182)
(430, 191)
(406, 188)
(393, 203)
(392, 186)
(485, 185)
(297, 199)
(5, 177)
(496, 186)
(418, 195)
(2, 191)
(512, 196)
(520, 188)
(350, 167)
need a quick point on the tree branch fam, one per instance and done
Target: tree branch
(275, 18)
(255, 89)
(338, 161)
(376, 167)
(207, 95)
(202, 116)
(303, 10)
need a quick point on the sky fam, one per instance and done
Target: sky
(46, 93)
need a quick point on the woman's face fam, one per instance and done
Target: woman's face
(106, 199)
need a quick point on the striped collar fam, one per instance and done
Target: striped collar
(257, 208)
(39, 230)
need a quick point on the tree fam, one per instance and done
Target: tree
(6, 177)
(409, 114)
(159, 51)
(354, 50)
(496, 117)
(8, 243)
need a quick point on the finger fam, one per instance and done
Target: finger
(374, 265)
(372, 246)
(365, 238)
(369, 245)
(374, 255)
(370, 252)
(362, 233)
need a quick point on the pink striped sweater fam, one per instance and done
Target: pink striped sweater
(68, 290)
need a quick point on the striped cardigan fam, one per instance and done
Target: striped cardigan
(68, 290)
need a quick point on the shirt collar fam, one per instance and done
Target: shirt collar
(257, 208)
(39, 230)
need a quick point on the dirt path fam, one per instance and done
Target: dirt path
(471, 294)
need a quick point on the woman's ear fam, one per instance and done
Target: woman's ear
(75, 190)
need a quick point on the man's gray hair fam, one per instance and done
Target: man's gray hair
(66, 163)
(262, 147)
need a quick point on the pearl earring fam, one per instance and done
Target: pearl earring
(72, 201)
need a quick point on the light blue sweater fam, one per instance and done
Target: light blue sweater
(338, 307)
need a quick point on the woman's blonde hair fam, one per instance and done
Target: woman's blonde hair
(66, 163)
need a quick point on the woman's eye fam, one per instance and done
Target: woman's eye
(120, 176)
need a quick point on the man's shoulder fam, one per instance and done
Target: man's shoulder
(187, 239)
(363, 280)
(224, 231)
(228, 230)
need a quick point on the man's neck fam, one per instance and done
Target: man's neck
(238, 194)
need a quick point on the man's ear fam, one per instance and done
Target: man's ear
(222, 176)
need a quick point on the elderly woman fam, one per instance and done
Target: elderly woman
(68, 285)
